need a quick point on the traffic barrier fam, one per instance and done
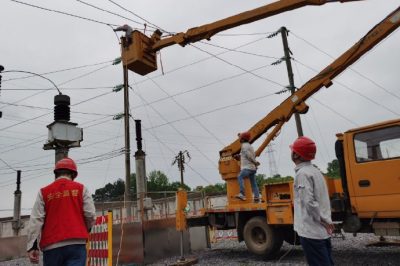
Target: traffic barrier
(99, 247)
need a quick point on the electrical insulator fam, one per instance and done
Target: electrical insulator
(61, 108)
(1, 70)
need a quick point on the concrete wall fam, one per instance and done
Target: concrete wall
(12, 247)
(6, 229)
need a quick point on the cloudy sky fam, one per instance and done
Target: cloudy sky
(203, 95)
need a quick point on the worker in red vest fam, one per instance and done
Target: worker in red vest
(61, 219)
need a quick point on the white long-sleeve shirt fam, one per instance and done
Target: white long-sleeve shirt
(311, 202)
(38, 214)
(247, 157)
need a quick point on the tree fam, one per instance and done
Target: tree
(110, 191)
(217, 189)
(260, 180)
(157, 181)
(174, 186)
(333, 169)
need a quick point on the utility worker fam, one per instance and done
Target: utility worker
(248, 166)
(312, 211)
(61, 219)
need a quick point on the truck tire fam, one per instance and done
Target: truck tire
(261, 238)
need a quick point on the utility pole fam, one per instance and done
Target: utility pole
(180, 160)
(1, 70)
(127, 136)
(140, 162)
(284, 33)
(17, 206)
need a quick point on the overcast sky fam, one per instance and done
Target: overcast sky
(206, 95)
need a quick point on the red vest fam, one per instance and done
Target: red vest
(64, 219)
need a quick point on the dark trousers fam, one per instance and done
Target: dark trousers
(72, 255)
(318, 252)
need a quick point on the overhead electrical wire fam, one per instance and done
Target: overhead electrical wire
(136, 15)
(64, 13)
(187, 112)
(351, 69)
(59, 71)
(46, 108)
(93, 159)
(109, 12)
(9, 166)
(355, 92)
(215, 110)
(237, 66)
(238, 51)
(62, 83)
(64, 89)
(151, 124)
(227, 50)
(203, 86)
(313, 114)
(180, 133)
(161, 142)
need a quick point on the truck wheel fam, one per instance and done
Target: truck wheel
(261, 238)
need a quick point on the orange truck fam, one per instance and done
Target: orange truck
(365, 199)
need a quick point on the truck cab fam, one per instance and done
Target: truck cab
(369, 159)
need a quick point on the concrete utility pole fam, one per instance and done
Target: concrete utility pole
(284, 33)
(127, 141)
(140, 161)
(16, 225)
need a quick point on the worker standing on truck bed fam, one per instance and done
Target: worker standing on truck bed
(248, 167)
(61, 217)
(312, 211)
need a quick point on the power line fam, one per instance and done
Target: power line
(148, 22)
(64, 13)
(187, 112)
(201, 60)
(9, 166)
(215, 110)
(64, 89)
(180, 133)
(334, 111)
(243, 69)
(60, 70)
(242, 52)
(354, 91)
(45, 108)
(161, 142)
(203, 86)
(107, 11)
(242, 34)
(62, 83)
(352, 69)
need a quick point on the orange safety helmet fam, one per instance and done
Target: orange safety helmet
(66, 164)
(245, 136)
(304, 147)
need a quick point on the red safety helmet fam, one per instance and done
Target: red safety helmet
(245, 135)
(304, 147)
(66, 164)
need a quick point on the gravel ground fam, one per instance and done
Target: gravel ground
(351, 251)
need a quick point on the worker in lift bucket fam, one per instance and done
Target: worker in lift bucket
(312, 211)
(248, 167)
(61, 218)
